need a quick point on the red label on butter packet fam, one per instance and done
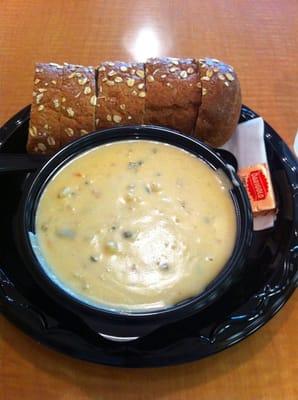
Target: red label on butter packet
(257, 185)
(257, 182)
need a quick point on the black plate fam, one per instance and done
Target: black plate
(267, 283)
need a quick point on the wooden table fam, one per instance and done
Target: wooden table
(260, 39)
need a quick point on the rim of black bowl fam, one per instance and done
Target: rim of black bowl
(35, 187)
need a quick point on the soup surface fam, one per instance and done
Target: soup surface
(136, 224)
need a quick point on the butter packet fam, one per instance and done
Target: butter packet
(257, 182)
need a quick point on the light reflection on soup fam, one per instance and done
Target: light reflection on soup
(136, 224)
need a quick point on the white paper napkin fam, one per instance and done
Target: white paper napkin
(248, 146)
(295, 145)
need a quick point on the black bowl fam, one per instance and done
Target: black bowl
(131, 324)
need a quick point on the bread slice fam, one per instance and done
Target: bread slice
(221, 102)
(173, 93)
(121, 94)
(44, 125)
(78, 102)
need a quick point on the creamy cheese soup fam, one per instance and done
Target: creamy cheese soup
(136, 225)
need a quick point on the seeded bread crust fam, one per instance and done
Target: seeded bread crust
(78, 102)
(121, 94)
(173, 93)
(221, 102)
(44, 125)
(202, 98)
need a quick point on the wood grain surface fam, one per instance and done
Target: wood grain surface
(259, 38)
